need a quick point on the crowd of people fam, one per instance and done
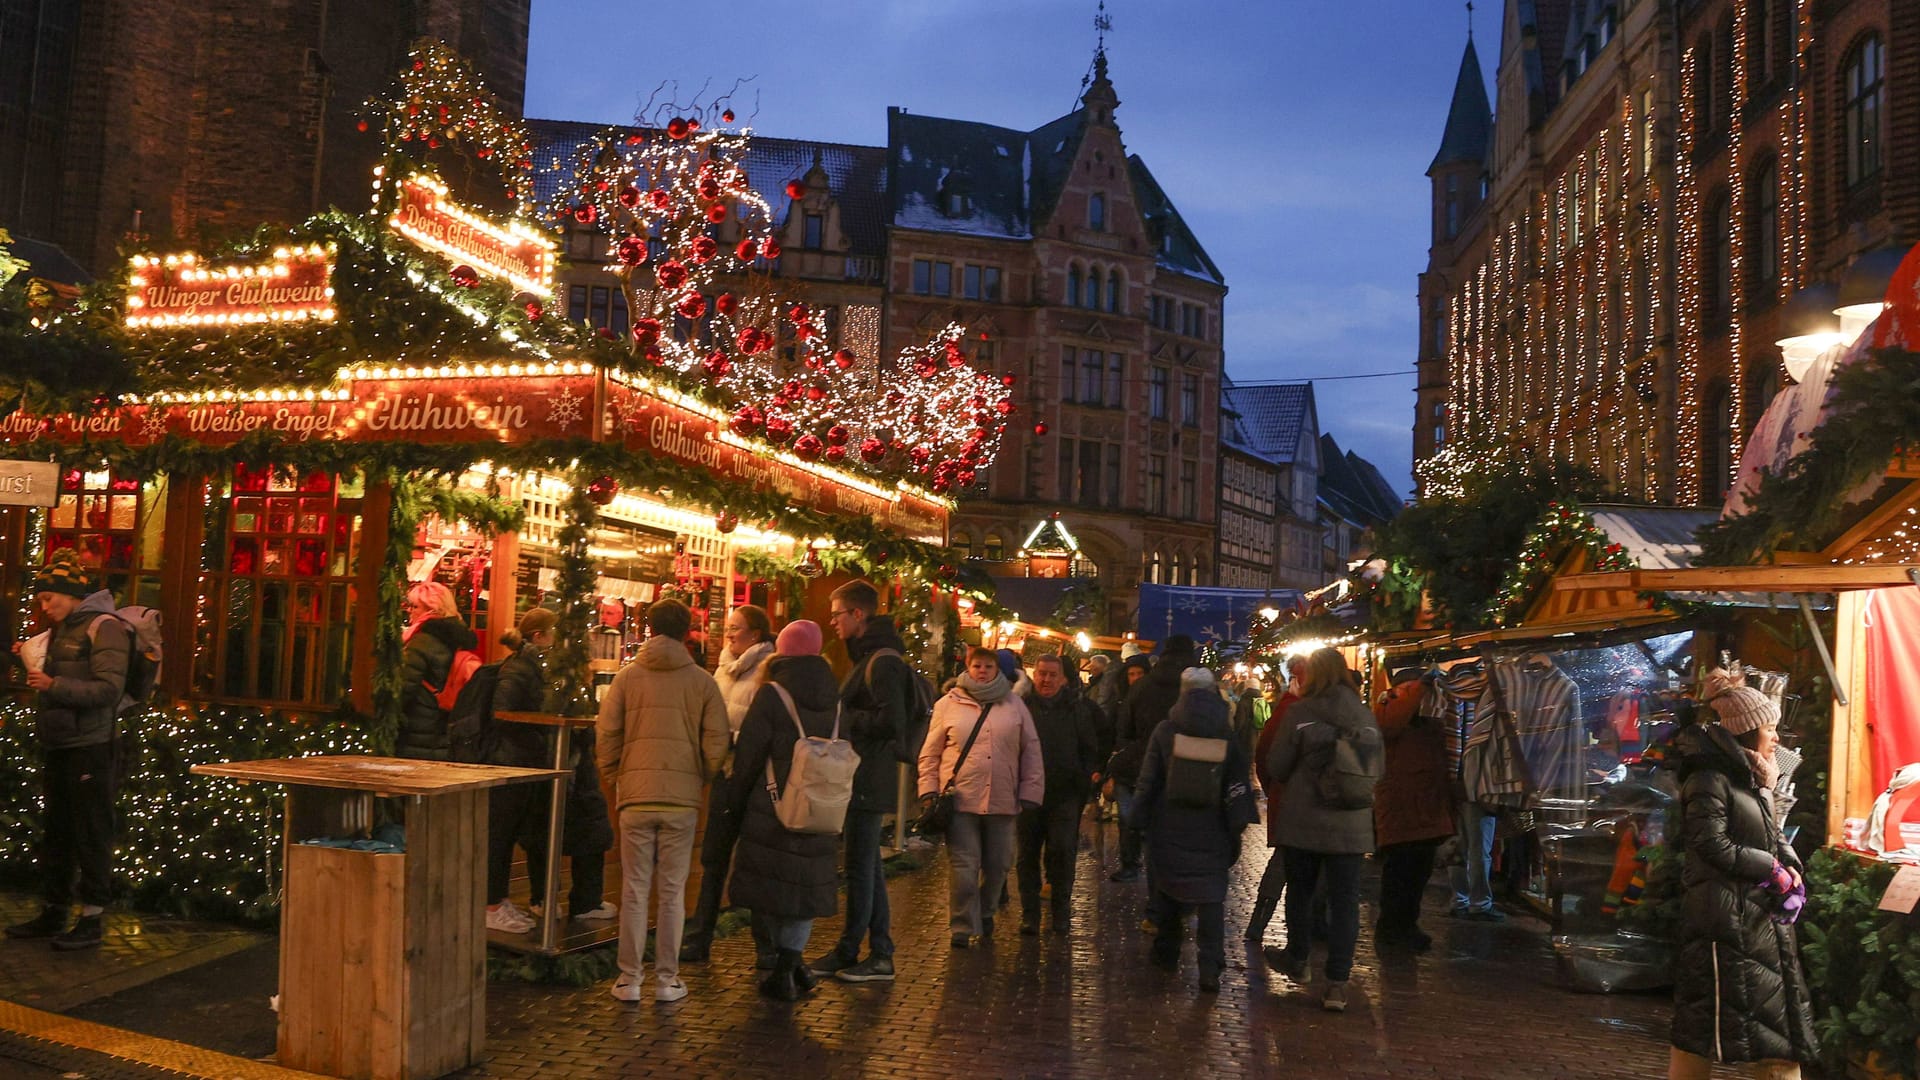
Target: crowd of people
(1007, 761)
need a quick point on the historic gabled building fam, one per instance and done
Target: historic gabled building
(1270, 534)
(1665, 191)
(1073, 273)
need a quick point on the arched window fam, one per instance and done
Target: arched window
(1179, 566)
(1716, 442)
(1759, 42)
(1703, 76)
(1073, 285)
(1090, 293)
(1762, 383)
(1113, 291)
(1199, 571)
(1153, 568)
(1866, 89)
(1763, 224)
(1723, 74)
(1716, 253)
(1437, 325)
(1097, 212)
(996, 547)
(962, 545)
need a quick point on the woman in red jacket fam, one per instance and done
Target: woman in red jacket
(1274, 880)
(1412, 811)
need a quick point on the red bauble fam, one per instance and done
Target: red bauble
(946, 572)
(746, 421)
(726, 521)
(797, 313)
(691, 306)
(1004, 407)
(808, 448)
(678, 128)
(362, 125)
(703, 249)
(844, 358)
(1007, 381)
(465, 276)
(717, 365)
(708, 187)
(1040, 428)
(814, 393)
(670, 275)
(744, 252)
(661, 199)
(717, 213)
(631, 251)
(752, 340)
(646, 331)
(795, 188)
(693, 125)
(955, 358)
(725, 303)
(604, 332)
(534, 311)
(919, 455)
(769, 248)
(602, 490)
(835, 454)
(585, 213)
(837, 435)
(726, 118)
(629, 197)
(872, 450)
(926, 369)
(779, 429)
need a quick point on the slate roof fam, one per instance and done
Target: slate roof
(48, 262)
(856, 175)
(1547, 22)
(1353, 488)
(930, 156)
(1268, 419)
(1176, 247)
(1469, 119)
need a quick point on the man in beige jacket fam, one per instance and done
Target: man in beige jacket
(662, 734)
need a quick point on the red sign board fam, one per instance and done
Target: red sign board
(184, 290)
(512, 253)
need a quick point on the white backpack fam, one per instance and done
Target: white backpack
(819, 780)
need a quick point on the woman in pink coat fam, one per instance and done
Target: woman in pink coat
(1001, 776)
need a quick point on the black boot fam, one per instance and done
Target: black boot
(1263, 909)
(52, 920)
(86, 934)
(780, 985)
(804, 979)
(696, 947)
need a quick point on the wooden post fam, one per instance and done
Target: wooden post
(375, 508)
(502, 585)
(184, 534)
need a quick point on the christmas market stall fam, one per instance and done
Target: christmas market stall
(268, 442)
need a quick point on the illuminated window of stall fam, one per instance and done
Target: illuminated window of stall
(277, 594)
(113, 523)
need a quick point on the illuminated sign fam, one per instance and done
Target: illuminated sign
(186, 290)
(514, 253)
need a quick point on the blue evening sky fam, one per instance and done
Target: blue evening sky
(1292, 134)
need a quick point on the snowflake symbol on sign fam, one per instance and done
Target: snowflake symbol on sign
(1192, 605)
(153, 426)
(564, 408)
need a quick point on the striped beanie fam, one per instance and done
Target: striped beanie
(63, 574)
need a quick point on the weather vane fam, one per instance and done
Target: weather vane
(1469, 20)
(1102, 22)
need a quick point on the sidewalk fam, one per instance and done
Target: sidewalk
(1483, 1005)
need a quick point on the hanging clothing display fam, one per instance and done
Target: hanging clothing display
(1545, 705)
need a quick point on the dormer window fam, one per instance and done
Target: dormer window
(813, 231)
(1097, 212)
(955, 204)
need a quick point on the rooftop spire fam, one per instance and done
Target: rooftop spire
(1469, 119)
(1096, 90)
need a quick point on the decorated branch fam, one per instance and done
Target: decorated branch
(1564, 527)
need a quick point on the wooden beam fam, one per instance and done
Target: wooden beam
(1874, 524)
(1778, 579)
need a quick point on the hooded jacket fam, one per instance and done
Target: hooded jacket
(1191, 849)
(1739, 994)
(662, 731)
(87, 660)
(776, 872)
(1148, 703)
(424, 665)
(1002, 771)
(1068, 726)
(877, 713)
(1303, 748)
(740, 678)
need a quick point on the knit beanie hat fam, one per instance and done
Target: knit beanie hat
(63, 574)
(801, 637)
(1138, 660)
(1196, 678)
(1009, 663)
(1743, 709)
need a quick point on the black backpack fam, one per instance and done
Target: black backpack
(1196, 772)
(471, 727)
(920, 716)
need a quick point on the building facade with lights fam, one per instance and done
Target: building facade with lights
(1664, 194)
(210, 117)
(1075, 277)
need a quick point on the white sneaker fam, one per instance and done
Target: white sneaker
(508, 919)
(626, 988)
(607, 910)
(669, 991)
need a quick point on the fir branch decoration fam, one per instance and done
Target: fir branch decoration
(1873, 414)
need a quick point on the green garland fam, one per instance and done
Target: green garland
(1862, 965)
(1873, 413)
(1564, 526)
(576, 580)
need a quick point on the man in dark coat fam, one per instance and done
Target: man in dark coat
(1148, 703)
(1191, 845)
(879, 700)
(1069, 744)
(1739, 994)
(787, 879)
(82, 688)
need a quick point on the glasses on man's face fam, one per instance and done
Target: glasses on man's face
(841, 614)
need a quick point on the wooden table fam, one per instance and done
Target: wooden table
(556, 813)
(383, 957)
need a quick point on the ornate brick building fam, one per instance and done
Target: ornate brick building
(1667, 189)
(217, 115)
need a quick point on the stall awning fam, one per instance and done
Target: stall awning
(1761, 579)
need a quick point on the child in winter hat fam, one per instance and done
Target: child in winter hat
(63, 574)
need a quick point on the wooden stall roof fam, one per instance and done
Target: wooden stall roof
(381, 775)
(1765, 579)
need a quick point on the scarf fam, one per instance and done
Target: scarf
(984, 693)
(1766, 771)
(756, 654)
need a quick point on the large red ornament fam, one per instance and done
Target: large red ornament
(691, 306)
(726, 118)
(465, 276)
(746, 421)
(872, 450)
(744, 252)
(678, 128)
(1004, 407)
(808, 448)
(646, 330)
(585, 213)
(837, 435)
(717, 213)
(703, 249)
(629, 197)
(725, 303)
(717, 365)
(602, 490)
(662, 201)
(769, 249)
(795, 189)
(534, 311)
(844, 358)
(1040, 428)
(779, 429)
(631, 251)
(670, 274)
(726, 521)
(1007, 381)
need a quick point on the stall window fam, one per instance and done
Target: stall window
(277, 595)
(112, 522)
(996, 547)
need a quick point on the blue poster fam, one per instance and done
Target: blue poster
(1206, 615)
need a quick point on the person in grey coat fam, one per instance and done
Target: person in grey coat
(82, 688)
(1317, 839)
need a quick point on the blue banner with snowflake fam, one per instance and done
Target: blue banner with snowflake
(1220, 616)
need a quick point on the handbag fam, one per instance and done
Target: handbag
(938, 815)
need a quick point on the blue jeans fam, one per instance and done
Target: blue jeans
(1470, 885)
(1130, 838)
(1339, 878)
(786, 933)
(867, 914)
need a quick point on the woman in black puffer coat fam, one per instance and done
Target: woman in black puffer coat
(1739, 994)
(434, 634)
(787, 879)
